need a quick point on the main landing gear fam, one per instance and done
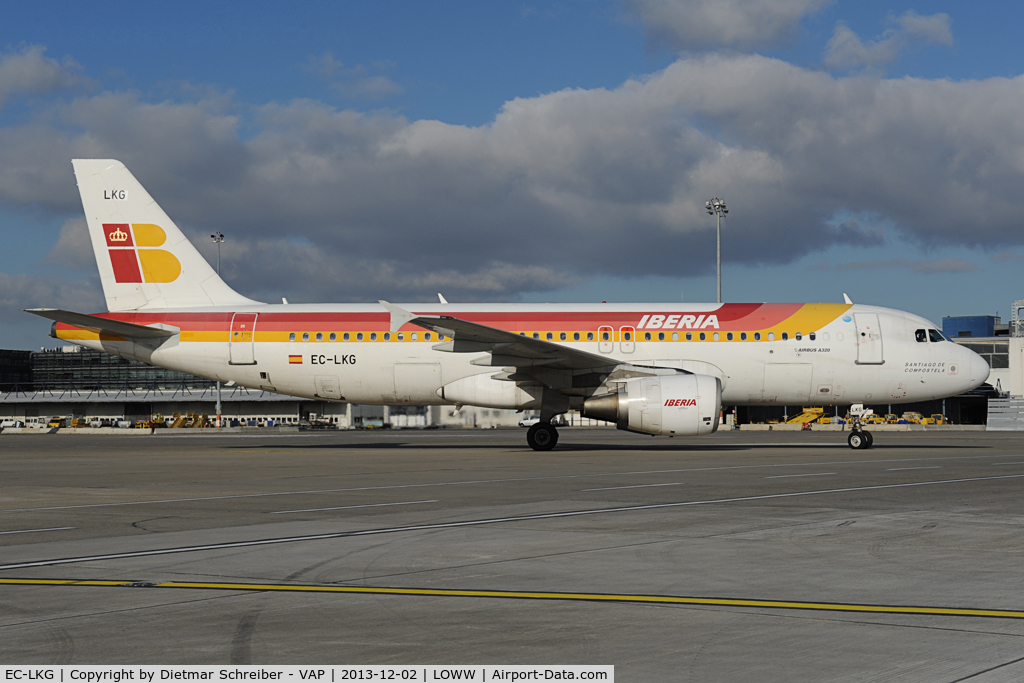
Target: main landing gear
(542, 436)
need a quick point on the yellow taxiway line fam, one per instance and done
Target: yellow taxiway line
(539, 595)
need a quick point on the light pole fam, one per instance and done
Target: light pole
(218, 239)
(716, 207)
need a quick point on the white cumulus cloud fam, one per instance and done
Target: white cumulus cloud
(846, 50)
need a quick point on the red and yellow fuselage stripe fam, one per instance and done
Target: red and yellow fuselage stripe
(278, 326)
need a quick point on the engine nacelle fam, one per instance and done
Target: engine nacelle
(672, 405)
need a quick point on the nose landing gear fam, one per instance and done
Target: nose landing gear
(859, 438)
(542, 436)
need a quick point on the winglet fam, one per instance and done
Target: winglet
(441, 297)
(847, 299)
(399, 316)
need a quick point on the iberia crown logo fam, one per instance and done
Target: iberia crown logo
(137, 260)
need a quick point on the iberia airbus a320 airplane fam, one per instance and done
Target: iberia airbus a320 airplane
(650, 368)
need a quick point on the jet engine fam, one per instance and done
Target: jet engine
(672, 405)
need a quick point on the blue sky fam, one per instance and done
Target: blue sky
(528, 151)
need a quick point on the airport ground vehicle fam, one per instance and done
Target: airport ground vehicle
(529, 421)
(808, 416)
(661, 369)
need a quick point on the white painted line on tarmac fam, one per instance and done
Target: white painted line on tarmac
(352, 507)
(788, 476)
(32, 531)
(637, 486)
(1009, 463)
(903, 469)
(482, 522)
(487, 481)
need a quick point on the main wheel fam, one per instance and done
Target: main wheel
(871, 439)
(857, 440)
(542, 436)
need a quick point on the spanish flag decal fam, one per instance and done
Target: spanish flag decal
(295, 360)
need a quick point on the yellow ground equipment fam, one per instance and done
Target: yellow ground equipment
(912, 418)
(891, 419)
(935, 419)
(809, 415)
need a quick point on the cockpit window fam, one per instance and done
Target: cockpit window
(935, 336)
(921, 335)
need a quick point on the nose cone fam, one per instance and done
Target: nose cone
(978, 370)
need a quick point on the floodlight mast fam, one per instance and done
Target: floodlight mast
(218, 239)
(716, 207)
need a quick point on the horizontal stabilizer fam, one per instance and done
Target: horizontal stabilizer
(99, 325)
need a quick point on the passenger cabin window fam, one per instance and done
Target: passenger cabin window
(799, 336)
(426, 336)
(575, 336)
(401, 336)
(935, 336)
(675, 336)
(647, 336)
(319, 336)
(387, 336)
(605, 336)
(561, 336)
(689, 336)
(661, 336)
(920, 335)
(373, 336)
(627, 336)
(334, 337)
(785, 336)
(346, 336)
(305, 336)
(590, 336)
(716, 336)
(536, 335)
(703, 336)
(771, 336)
(757, 336)
(291, 337)
(359, 336)
(550, 336)
(729, 336)
(414, 336)
(811, 335)
(743, 336)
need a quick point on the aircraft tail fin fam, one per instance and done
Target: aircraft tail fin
(145, 261)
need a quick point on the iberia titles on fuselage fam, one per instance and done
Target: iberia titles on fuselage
(651, 368)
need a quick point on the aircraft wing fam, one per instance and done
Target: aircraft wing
(100, 325)
(531, 357)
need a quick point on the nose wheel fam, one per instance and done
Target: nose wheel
(860, 439)
(542, 436)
